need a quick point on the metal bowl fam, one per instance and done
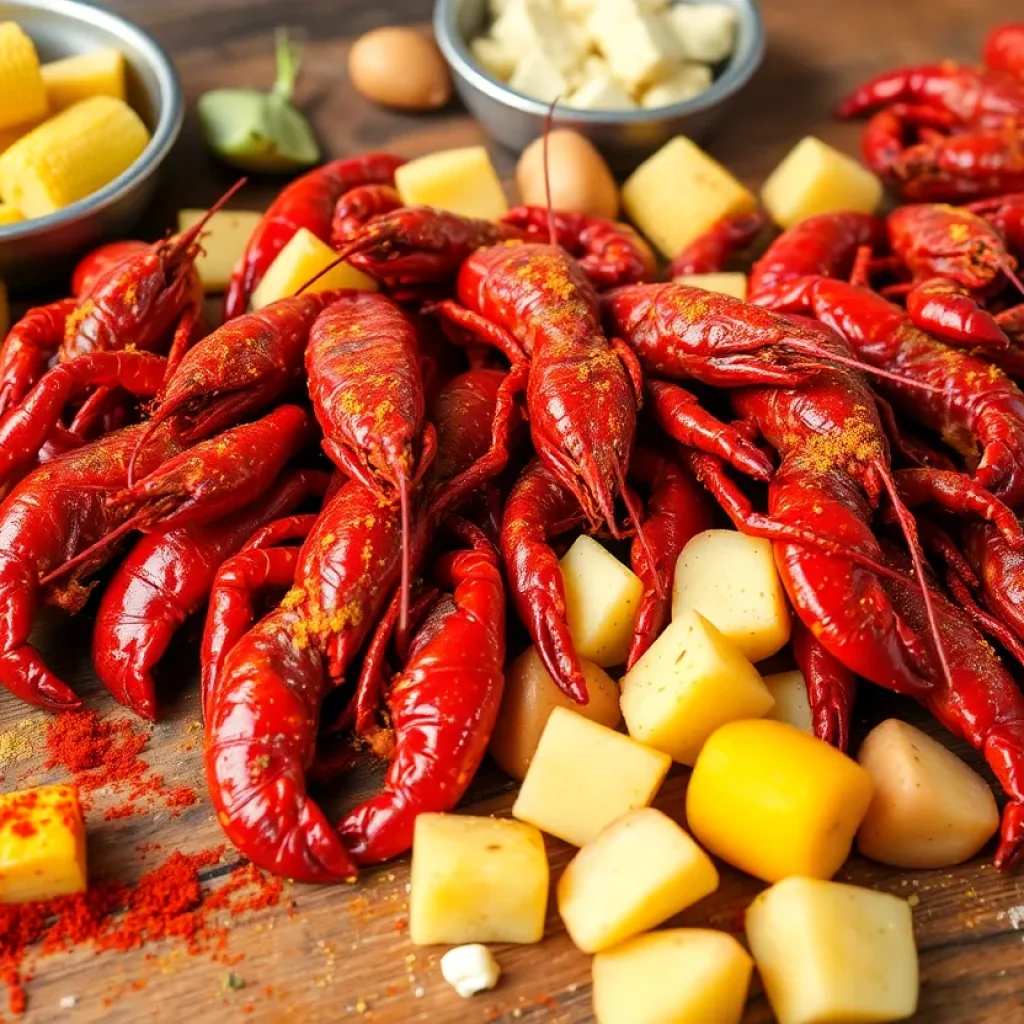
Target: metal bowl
(624, 137)
(33, 250)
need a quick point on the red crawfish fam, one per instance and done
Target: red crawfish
(99, 262)
(28, 347)
(357, 207)
(1003, 49)
(831, 687)
(308, 202)
(712, 251)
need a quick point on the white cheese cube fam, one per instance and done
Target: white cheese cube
(602, 92)
(687, 81)
(638, 47)
(535, 76)
(494, 57)
(470, 969)
(706, 32)
(529, 26)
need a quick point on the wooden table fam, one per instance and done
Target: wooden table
(342, 954)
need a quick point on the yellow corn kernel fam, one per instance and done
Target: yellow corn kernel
(22, 94)
(9, 214)
(42, 844)
(72, 155)
(96, 73)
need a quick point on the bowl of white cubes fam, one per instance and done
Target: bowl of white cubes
(628, 74)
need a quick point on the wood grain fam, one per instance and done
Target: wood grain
(341, 953)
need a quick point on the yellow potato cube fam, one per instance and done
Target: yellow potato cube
(689, 682)
(678, 976)
(223, 240)
(829, 952)
(476, 880)
(732, 581)
(773, 801)
(298, 263)
(96, 73)
(584, 776)
(42, 844)
(678, 193)
(789, 691)
(724, 283)
(930, 810)
(814, 178)
(602, 599)
(639, 871)
(9, 214)
(462, 181)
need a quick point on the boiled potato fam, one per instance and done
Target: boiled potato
(732, 581)
(679, 193)
(399, 66)
(814, 178)
(724, 283)
(223, 241)
(580, 179)
(639, 871)
(298, 263)
(678, 976)
(689, 682)
(461, 181)
(96, 73)
(829, 952)
(789, 691)
(930, 810)
(583, 776)
(530, 695)
(602, 599)
(476, 880)
(773, 801)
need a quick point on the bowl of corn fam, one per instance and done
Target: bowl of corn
(89, 108)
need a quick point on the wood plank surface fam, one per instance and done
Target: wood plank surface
(341, 953)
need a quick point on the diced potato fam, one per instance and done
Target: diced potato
(678, 976)
(602, 599)
(583, 776)
(732, 581)
(705, 31)
(678, 194)
(789, 690)
(639, 47)
(639, 871)
(689, 682)
(930, 810)
(685, 82)
(814, 178)
(494, 57)
(724, 283)
(462, 181)
(537, 77)
(9, 214)
(42, 844)
(224, 239)
(773, 801)
(476, 880)
(96, 73)
(830, 952)
(529, 697)
(298, 263)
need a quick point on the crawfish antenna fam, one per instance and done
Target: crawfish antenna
(549, 119)
(629, 500)
(403, 499)
(181, 244)
(810, 349)
(1011, 275)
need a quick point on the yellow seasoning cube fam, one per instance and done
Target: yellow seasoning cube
(583, 776)
(42, 844)
(814, 178)
(689, 682)
(602, 598)
(639, 871)
(723, 283)
(678, 976)
(461, 181)
(830, 952)
(680, 192)
(773, 801)
(96, 73)
(476, 880)
(789, 691)
(223, 241)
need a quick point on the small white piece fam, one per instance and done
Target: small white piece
(638, 47)
(706, 32)
(470, 969)
(535, 76)
(68, 1002)
(601, 92)
(494, 57)
(687, 81)
(537, 26)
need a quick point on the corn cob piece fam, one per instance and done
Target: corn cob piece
(22, 94)
(72, 155)
(9, 214)
(96, 73)
(9, 136)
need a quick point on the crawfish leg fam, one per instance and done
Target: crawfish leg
(831, 687)
(947, 310)
(481, 329)
(28, 347)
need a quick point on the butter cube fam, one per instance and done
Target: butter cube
(601, 92)
(42, 844)
(476, 880)
(639, 871)
(494, 57)
(830, 952)
(223, 241)
(537, 77)
(789, 690)
(725, 283)
(461, 181)
(638, 47)
(95, 73)
(602, 599)
(684, 83)
(705, 32)
(583, 776)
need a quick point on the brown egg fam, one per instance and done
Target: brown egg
(400, 67)
(580, 179)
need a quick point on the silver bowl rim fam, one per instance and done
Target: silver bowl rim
(169, 116)
(456, 52)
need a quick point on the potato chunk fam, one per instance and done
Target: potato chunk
(602, 598)
(732, 581)
(530, 695)
(789, 690)
(583, 776)
(815, 178)
(460, 180)
(223, 241)
(773, 801)
(96, 73)
(476, 880)
(689, 682)
(42, 844)
(830, 952)
(930, 810)
(724, 284)
(678, 976)
(639, 871)
(678, 193)
(298, 263)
